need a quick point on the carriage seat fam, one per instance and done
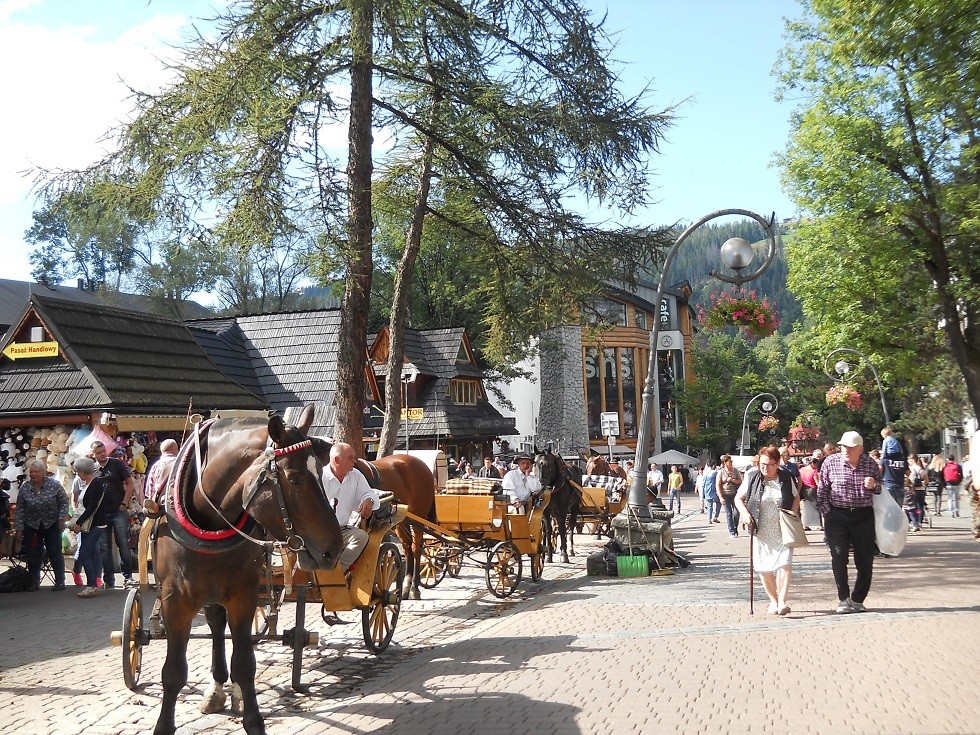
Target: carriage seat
(474, 486)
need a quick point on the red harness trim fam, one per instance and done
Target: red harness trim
(294, 448)
(197, 532)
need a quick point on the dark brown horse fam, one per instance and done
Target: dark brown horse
(562, 511)
(413, 484)
(264, 481)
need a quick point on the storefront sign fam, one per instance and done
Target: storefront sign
(21, 350)
(414, 414)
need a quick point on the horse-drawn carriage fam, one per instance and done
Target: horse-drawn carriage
(372, 586)
(603, 497)
(473, 523)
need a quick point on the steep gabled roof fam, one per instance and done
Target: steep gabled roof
(290, 357)
(114, 358)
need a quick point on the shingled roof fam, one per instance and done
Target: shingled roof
(114, 359)
(289, 358)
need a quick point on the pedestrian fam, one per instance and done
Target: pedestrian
(808, 491)
(760, 500)
(39, 520)
(938, 481)
(675, 482)
(655, 481)
(710, 493)
(118, 482)
(919, 477)
(156, 480)
(953, 474)
(974, 486)
(848, 481)
(488, 470)
(91, 533)
(894, 466)
(727, 483)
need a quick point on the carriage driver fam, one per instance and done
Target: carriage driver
(351, 497)
(520, 484)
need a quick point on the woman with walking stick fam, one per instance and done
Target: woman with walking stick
(759, 500)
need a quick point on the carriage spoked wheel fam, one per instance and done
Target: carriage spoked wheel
(379, 619)
(134, 637)
(454, 559)
(537, 559)
(503, 569)
(432, 565)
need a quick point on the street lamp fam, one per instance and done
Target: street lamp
(768, 407)
(408, 377)
(736, 254)
(841, 368)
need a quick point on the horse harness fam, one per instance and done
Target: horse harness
(188, 534)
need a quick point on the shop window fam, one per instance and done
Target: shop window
(593, 391)
(463, 392)
(605, 311)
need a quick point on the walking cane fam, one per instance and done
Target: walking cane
(751, 568)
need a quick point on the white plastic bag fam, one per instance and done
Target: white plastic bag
(891, 524)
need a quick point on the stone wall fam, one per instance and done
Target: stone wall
(562, 416)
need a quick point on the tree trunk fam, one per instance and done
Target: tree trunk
(400, 306)
(352, 350)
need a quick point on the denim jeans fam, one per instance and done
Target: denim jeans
(731, 514)
(671, 497)
(90, 550)
(952, 498)
(714, 508)
(118, 527)
(36, 542)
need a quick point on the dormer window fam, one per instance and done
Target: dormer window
(464, 392)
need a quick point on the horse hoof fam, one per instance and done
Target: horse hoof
(414, 594)
(214, 699)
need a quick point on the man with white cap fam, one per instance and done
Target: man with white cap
(848, 481)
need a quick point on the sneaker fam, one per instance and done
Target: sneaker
(77, 576)
(58, 587)
(98, 581)
(89, 592)
(844, 607)
(858, 607)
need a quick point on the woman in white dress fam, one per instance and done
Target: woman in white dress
(759, 501)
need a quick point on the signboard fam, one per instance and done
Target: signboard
(609, 421)
(414, 414)
(20, 350)
(671, 339)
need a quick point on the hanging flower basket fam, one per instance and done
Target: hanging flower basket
(846, 394)
(743, 310)
(768, 422)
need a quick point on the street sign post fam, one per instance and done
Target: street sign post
(609, 423)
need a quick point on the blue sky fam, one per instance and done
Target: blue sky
(64, 61)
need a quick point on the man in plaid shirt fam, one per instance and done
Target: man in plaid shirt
(848, 481)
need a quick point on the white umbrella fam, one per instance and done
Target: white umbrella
(672, 456)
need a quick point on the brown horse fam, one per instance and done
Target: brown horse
(598, 465)
(413, 484)
(264, 481)
(562, 511)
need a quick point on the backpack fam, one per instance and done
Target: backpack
(952, 473)
(916, 478)
(16, 579)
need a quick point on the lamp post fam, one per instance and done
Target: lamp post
(841, 368)
(736, 254)
(408, 377)
(768, 407)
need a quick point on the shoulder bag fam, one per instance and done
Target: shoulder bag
(87, 525)
(791, 528)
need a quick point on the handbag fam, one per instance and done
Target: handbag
(87, 525)
(791, 528)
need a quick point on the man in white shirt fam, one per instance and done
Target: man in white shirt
(351, 497)
(520, 484)
(655, 480)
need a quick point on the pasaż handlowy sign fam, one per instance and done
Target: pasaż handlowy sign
(21, 350)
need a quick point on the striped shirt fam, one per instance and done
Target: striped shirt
(842, 486)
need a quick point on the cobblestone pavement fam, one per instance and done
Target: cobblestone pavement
(570, 654)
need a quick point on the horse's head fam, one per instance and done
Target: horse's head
(546, 463)
(309, 524)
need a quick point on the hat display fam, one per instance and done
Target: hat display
(851, 439)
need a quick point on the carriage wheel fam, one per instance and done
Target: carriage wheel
(503, 569)
(432, 565)
(133, 639)
(454, 559)
(378, 620)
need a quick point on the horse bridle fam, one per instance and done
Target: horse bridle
(294, 542)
